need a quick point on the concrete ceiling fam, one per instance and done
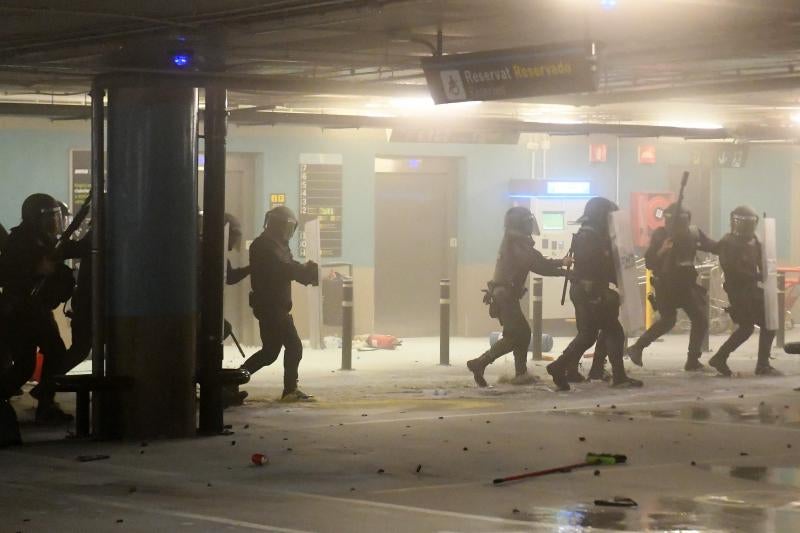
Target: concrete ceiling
(685, 63)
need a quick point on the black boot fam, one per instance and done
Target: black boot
(693, 363)
(232, 396)
(9, 428)
(635, 353)
(559, 375)
(720, 363)
(477, 367)
(599, 374)
(524, 379)
(763, 368)
(574, 376)
(626, 382)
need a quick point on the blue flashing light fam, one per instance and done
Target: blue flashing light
(181, 60)
(608, 5)
(414, 163)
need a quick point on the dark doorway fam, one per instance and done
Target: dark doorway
(415, 243)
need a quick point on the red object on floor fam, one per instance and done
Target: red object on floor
(37, 371)
(383, 342)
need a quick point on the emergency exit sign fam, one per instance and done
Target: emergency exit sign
(512, 73)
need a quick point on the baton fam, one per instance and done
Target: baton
(591, 460)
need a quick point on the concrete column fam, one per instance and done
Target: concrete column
(151, 243)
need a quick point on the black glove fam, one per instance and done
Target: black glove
(312, 273)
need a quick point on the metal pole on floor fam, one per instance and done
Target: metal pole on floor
(347, 324)
(444, 322)
(780, 337)
(536, 326)
(705, 282)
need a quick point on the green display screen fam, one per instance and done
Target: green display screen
(553, 221)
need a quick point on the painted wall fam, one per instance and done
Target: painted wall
(34, 157)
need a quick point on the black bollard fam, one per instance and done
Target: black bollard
(780, 336)
(705, 282)
(347, 324)
(536, 326)
(444, 322)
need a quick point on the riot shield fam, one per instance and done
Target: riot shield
(632, 310)
(314, 253)
(769, 272)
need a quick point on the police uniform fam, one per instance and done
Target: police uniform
(675, 283)
(516, 258)
(272, 270)
(740, 259)
(29, 319)
(596, 302)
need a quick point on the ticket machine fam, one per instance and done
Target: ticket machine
(557, 205)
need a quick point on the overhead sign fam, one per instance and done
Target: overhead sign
(512, 73)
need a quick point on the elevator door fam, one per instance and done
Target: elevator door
(413, 250)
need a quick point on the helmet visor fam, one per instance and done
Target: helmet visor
(52, 221)
(533, 225)
(744, 225)
(289, 228)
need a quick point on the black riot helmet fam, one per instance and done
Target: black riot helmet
(44, 214)
(596, 212)
(520, 221)
(676, 217)
(744, 221)
(280, 222)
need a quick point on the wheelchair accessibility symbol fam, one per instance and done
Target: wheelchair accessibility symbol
(453, 85)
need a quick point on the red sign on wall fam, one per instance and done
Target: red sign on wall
(598, 153)
(647, 154)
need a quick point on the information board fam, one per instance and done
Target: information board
(80, 178)
(321, 199)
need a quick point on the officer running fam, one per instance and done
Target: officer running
(671, 257)
(272, 270)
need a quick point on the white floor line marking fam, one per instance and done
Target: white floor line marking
(302, 495)
(165, 512)
(190, 516)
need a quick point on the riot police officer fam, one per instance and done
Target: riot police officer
(671, 257)
(516, 258)
(596, 303)
(740, 258)
(35, 281)
(272, 270)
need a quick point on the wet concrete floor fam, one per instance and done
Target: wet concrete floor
(393, 448)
